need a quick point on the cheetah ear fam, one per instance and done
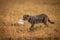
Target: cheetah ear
(26, 15)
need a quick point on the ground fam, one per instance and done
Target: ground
(13, 10)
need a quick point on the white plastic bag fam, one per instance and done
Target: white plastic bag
(21, 21)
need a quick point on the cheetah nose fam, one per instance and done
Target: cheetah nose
(21, 21)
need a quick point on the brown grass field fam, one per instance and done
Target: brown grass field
(13, 10)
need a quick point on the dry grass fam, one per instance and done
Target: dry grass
(11, 12)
